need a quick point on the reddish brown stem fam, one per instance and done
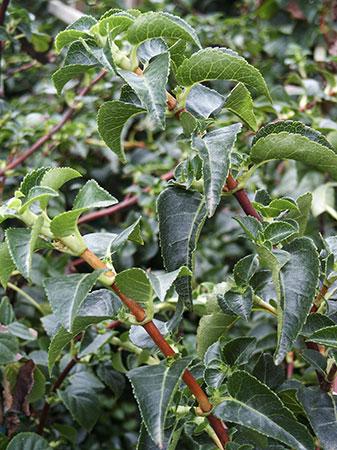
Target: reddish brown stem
(67, 116)
(140, 315)
(3, 9)
(242, 197)
(55, 386)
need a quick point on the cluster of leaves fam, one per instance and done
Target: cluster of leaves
(264, 348)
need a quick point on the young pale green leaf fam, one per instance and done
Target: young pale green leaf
(154, 387)
(64, 74)
(298, 280)
(67, 293)
(150, 87)
(203, 101)
(67, 37)
(278, 231)
(135, 284)
(181, 216)
(81, 401)
(162, 282)
(320, 408)
(65, 224)
(240, 102)
(111, 119)
(114, 24)
(6, 264)
(27, 440)
(325, 336)
(9, 348)
(293, 140)
(56, 177)
(161, 24)
(39, 194)
(100, 305)
(210, 328)
(238, 303)
(92, 195)
(221, 64)
(253, 405)
(215, 150)
(21, 244)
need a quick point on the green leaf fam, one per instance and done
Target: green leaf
(150, 87)
(151, 48)
(244, 269)
(154, 388)
(203, 101)
(91, 195)
(266, 371)
(32, 179)
(21, 244)
(161, 24)
(251, 226)
(181, 216)
(81, 401)
(221, 64)
(67, 37)
(278, 231)
(9, 348)
(162, 282)
(320, 408)
(106, 244)
(84, 23)
(114, 24)
(100, 305)
(325, 336)
(301, 217)
(64, 74)
(111, 119)
(210, 328)
(56, 177)
(135, 284)
(315, 359)
(28, 441)
(86, 53)
(240, 103)
(65, 224)
(37, 194)
(6, 264)
(67, 293)
(215, 150)
(253, 405)
(293, 140)
(298, 278)
(239, 303)
(238, 351)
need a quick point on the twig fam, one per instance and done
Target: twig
(22, 68)
(67, 116)
(3, 9)
(55, 386)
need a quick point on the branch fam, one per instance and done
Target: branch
(67, 116)
(140, 315)
(55, 386)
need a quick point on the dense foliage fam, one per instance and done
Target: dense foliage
(168, 253)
